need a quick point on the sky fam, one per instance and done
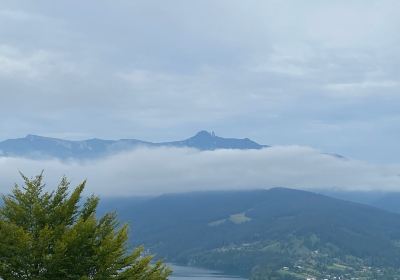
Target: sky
(320, 74)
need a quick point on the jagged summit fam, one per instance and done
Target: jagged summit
(204, 134)
(204, 140)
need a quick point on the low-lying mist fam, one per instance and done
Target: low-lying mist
(153, 171)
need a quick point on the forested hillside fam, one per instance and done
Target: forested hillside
(261, 232)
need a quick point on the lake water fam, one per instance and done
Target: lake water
(194, 273)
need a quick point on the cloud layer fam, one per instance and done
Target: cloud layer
(163, 170)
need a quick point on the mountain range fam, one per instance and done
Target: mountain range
(33, 146)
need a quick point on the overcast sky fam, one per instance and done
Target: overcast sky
(323, 74)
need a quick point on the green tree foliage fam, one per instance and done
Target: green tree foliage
(52, 235)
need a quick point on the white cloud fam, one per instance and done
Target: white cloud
(163, 170)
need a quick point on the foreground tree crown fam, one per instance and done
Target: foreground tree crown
(52, 235)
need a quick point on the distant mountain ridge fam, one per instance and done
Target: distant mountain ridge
(34, 146)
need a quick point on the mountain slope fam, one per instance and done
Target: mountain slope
(33, 146)
(245, 232)
(389, 201)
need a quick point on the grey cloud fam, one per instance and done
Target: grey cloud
(164, 170)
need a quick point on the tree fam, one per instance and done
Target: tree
(52, 235)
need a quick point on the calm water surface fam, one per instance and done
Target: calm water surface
(187, 273)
